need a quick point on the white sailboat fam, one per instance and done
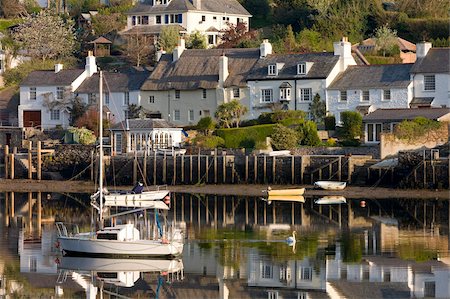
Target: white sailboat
(119, 240)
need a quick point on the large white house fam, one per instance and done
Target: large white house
(431, 76)
(367, 88)
(206, 16)
(292, 80)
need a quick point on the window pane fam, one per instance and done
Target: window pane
(377, 132)
(344, 96)
(369, 132)
(429, 82)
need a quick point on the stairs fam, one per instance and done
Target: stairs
(360, 173)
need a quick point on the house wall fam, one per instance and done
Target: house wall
(256, 107)
(400, 98)
(441, 94)
(26, 105)
(165, 101)
(390, 145)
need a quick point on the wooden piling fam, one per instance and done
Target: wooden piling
(246, 169)
(255, 169)
(12, 205)
(145, 168)
(30, 160)
(207, 169)
(255, 213)
(182, 169)
(92, 166)
(293, 170)
(154, 168)
(339, 172)
(190, 168)
(274, 169)
(174, 180)
(135, 166)
(165, 169)
(11, 159)
(39, 212)
(224, 170)
(39, 160)
(199, 167)
(6, 162)
(265, 170)
(215, 167)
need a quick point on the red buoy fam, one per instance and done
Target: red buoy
(167, 199)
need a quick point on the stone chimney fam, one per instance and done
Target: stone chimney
(265, 48)
(58, 67)
(422, 49)
(91, 66)
(343, 49)
(197, 4)
(223, 69)
(179, 49)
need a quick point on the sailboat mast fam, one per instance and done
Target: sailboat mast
(100, 134)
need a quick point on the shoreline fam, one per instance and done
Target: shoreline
(23, 185)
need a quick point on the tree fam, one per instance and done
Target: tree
(135, 111)
(77, 110)
(284, 138)
(229, 114)
(46, 36)
(196, 40)
(351, 125)
(12, 9)
(11, 50)
(103, 24)
(318, 109)
(89, 120)
(206, 125)
(139, 48)
(168, 39)
(236, 35)
(385, 39)
(290, 44)
(308, 134)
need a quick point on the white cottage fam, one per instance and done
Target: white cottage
(206, 16)
(367, 88)
(140, 135)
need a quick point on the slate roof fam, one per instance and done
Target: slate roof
(373, 76)
(436, 61)
(200, 69)
(219, 6)
(323, 64)
(422, 101)
(50, 78)
(150, 29)
(114, 82)
(140, 124)
(392, 115)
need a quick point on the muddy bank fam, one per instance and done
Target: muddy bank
(243, 190)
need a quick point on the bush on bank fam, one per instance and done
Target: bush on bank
(245, 137)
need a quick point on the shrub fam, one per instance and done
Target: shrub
(208, 142)
(330, 123)
(206, 125)
(418, 127)
(85, 136)
(284, 138)
(308, 134)
(351, 125)
(331, 142)
(280, 115)
(249, 123)
(245, 137)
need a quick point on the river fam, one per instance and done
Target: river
(235, 248)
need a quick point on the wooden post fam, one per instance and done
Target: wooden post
(302, 168)
(207, 169)
(199, 211)
(255, 213)
(39, 212)
(339, 168)
(145, 167)
(320, 174)
(292, 213)
(207, 210)
(215, 211)
(39, 161)
(424, 173)
(165, 169)
(6, 162)
(246, 211)
(154, 168)
(255, 168)
(135, 166)
(274, 214)
(330, 170)
(274, 169)
(224, 211)
(12, 205)
(174, 181)
(215, 166)
(182, 169)
(350, 169)
(11, 158)
(7, 209)
(30, 211)
(30, 160)
(224, 170)
(265, 170)
(265, 214)
(199, 167)
(92, 166)
(293, 170)
(246, 169)
(190, 168)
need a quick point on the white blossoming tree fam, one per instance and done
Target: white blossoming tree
(46, 36)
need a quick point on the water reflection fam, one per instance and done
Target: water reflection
(236, 248)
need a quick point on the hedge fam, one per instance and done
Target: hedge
(245, 137)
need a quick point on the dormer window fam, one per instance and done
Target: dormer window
(285, 91)
(301, 68)
(272, 70)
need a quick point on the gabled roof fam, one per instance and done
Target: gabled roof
(373, 76)
(219, 6)
(50, 78)
(200, 69)
(436, 61)
(394, 115)
(403, 44)
(323, 63)
(113, 82)
(101, 40)
(141, 124)
(150, 29)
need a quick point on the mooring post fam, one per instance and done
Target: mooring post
(6, 162)
(39, 212)
(246, 210)
(339, 172)
(224, 170)
(246, 169)
(92, 165)
(274, 169)
(144, 166)
(199, 167)
(165, 168)
(39, 160)
(182, 169)
(215, 166)
(30, 160)
(207, 210)
(13, 205)
(255, 169)
(255, 213)
(190, 168)
(135, 166)
(292, 170)
(350, 169)
(265, 170)
(11, 157)
(30, 211)
(206, 170)
(174, 181)
(154, 167)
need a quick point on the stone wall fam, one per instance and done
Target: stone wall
(390, 145)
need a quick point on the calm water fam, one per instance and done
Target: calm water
(235, 248)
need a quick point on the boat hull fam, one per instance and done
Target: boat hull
(330, 185)
(330, 200)
(146, 195)
(287, 192)
(73, 246)
(291, 198)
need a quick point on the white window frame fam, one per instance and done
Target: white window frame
(106, 96)
(301, 68)
(272, 70)
(191, 115)
(267, 95)
(177, 94)
(59, 93)
(126, 98)
(126, 114)
(176, 115)
(343, 96)
(33, 93)
(372, 138)
(204, 94)
(266, 270)
(92, 98)
(236, 92)
(151, 99)
(365, 94)
(386, 93)
(285, 93)
(306, 273)
(55, 114)
(429, 82)
(117, 142)
(305, 95)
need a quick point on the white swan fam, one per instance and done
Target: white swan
(291, 240)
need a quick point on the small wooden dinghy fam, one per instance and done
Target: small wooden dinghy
(286, 192)
(291, 198)
(331, 200)
(330, 185)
